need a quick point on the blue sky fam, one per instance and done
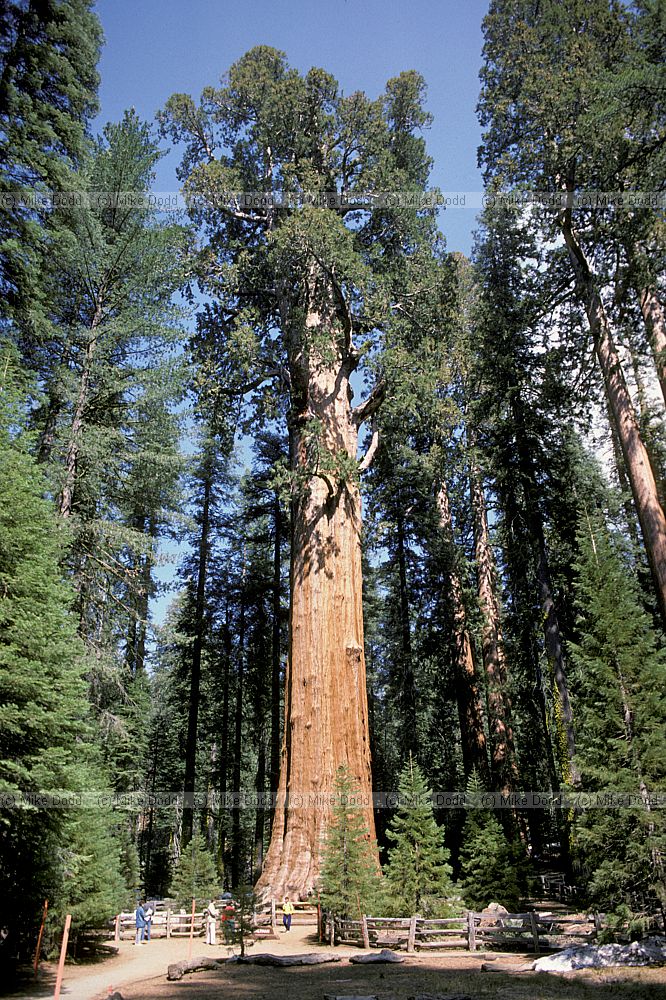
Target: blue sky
(154, 49)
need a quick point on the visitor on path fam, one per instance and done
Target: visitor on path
(149, 923)
(211, 914)
(229, 920)
(140, 915)
(287, 910)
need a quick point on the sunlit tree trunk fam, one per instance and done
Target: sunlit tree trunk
(654, 318)
(326, 710)
(637, 463)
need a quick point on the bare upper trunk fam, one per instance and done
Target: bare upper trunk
(326, 709)
(637, 463)
(66, 503)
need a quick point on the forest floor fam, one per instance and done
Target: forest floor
(140, 974)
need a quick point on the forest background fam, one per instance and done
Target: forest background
(187, 397)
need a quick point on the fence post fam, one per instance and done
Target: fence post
(168, 923)
(535, 932)
(38, 949)
(598, 925)
(471, 931)
(273, 916)
(364, 931)
(331, 929)
(189, 944)
(116, 930)
(412, 934)
(63, 952)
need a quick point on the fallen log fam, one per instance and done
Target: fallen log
(383, 956)
(441, 996)
(346, 996)
(177, 970)
(310, 958)
(507, 968)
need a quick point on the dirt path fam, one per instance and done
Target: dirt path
(148, 963)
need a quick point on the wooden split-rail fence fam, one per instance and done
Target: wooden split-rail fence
(530, 931)
(471, 931)
(168, 922)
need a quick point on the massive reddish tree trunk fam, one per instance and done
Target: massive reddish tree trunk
(637, 463)
(470, 711)
(326, 709)
(503, 758)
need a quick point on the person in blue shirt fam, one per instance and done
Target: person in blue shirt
(140, 923)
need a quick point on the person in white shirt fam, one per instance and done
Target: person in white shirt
(211, 915)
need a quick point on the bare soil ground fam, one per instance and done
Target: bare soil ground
(140, 974)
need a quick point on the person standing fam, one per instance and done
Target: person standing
(140, 917)
(211, 915)
(229, 921)
(287, 910)
(149, 922)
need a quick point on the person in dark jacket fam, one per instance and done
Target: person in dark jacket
(140, 915)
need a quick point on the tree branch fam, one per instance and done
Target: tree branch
(366, 461)
(240, 390)
(370, 405)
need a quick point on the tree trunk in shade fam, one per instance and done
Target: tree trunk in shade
(275, 654)
(503, 758)
(197, 650)
(407, 682)
(470, 711)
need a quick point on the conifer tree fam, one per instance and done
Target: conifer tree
(69, 856)
(350, 877)
(418, 876)
(195, 876)
(48, 93)
(621, 667)
(488, 861)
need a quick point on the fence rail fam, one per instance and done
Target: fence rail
(472, 930)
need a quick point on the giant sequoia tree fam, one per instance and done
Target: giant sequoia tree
(307, 279)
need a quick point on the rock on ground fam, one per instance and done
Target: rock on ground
(649, 951)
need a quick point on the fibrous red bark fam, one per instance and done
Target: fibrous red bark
(326, 709)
